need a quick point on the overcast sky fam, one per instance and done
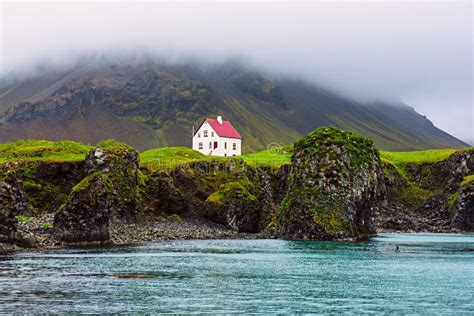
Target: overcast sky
(419, 53)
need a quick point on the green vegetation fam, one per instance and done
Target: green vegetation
(86, 182)
(453, 198)
(273, 158)
(174, 218)
(467, 180)
(43, 150)
(172, 157)
(332, 221)
(168, 157)
(396, 162)
(23, 218)
(111, 145)
(47, 226)
(237, 190)
(401, 159)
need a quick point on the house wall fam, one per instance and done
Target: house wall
(220, 150)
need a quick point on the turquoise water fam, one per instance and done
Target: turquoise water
(433, 273)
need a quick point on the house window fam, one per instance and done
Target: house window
(234, 146)
(205, 133)
(210, 145)
(200, 145)
(212, 134)
(225, 145)
(199, 135)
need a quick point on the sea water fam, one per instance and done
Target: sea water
(431, 274)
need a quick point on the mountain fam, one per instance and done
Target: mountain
(150, 104)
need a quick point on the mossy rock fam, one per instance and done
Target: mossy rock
(336, 177)
(236, 205)
(85, 216)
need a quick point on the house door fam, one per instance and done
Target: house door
(215, 145)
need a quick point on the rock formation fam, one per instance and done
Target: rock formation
(12, 203)
(336, 179)
(429, 196)
(109, 189)
(464, 218)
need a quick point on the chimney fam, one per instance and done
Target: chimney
(219, 119)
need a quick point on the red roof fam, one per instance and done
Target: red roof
(223, 130)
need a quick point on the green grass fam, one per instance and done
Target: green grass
(273, 158)
(402, 158)
(168, 157)
(43, 150)
(467, 180)
(172, 157)
(111, 145)
(23, 218)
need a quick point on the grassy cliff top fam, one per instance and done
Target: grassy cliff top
(170, 157)
(402, 158)
(43, 150)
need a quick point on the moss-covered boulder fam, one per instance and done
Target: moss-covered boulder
(336, 179)
(85, 216)
(120, 163)
(236, 205)
(109, 189)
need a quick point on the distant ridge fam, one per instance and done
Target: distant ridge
(149, 104)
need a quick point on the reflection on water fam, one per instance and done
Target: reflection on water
(432, 273)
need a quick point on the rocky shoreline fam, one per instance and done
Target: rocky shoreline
(137, 231)
(336, 188)
(153, 229)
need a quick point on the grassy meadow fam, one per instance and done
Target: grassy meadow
(171, 157)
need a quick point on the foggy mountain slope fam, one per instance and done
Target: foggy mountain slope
(148, 105)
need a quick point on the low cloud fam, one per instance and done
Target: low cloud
(419, 53)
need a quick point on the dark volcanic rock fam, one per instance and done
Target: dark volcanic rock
(446, 174)
(336, 179)
(12, 203)
(429, 196)
(236, 205)
(109, 189)
(464, 218)
(121, 166)
(227, 192)
(85, 217)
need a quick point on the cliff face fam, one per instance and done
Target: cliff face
(336, 178)
(430, 196)
(12, 203)
(228, 192)
(334, 188)
(109, 189)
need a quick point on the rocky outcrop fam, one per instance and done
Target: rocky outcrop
(12, 203)
(464, 218)
(46, 184)
(224, 191)
(109, 189)
(85, 217)
(120, 164)
(336, 179)
(427, 197)
(235, 204)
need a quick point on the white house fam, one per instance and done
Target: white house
(217, 137)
